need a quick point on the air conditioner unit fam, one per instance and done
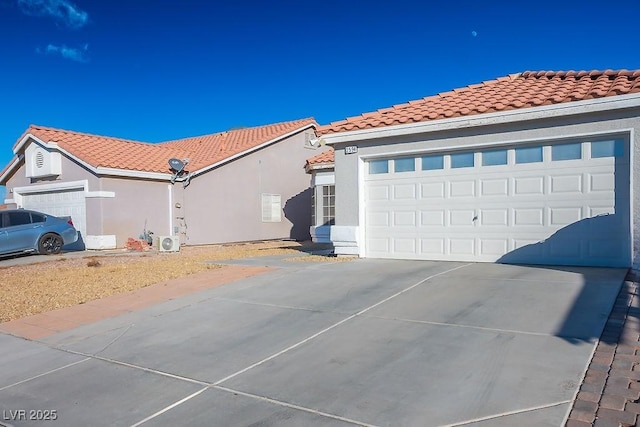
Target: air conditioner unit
(168, 244)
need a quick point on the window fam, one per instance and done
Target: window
(462, 160)
(611, 148)
(494, 158)
(566, 152)
(432, 163)
(529, 155)
(328, 204)
(37, 218)
(271, 208)
(404, 165)
(18, 218)
(378, 166)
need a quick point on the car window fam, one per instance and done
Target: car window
(36, 217)
(18, 218)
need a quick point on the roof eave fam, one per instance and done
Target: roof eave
(318, 166)
(618, 102)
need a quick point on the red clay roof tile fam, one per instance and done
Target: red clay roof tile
(202, 151)
(515, 91)
(322, 158)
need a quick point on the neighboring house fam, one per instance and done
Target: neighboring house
(537, 167)
(241, 185)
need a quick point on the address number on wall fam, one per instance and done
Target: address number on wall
(352, 149)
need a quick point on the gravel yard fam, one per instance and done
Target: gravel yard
(40, 287)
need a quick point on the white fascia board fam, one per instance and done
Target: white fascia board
(100, 194)
(11, 167)
(132, 174)
(97, 170)
(58, 186)
(319, 166)
(250, 150)
(487, 119)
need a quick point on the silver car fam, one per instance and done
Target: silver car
(25, 231)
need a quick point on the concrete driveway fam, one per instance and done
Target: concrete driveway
(366, 342)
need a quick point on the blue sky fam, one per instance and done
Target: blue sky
(154, 71)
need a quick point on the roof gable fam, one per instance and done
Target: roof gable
(517, 91)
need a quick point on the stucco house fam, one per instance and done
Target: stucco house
(535, 167)
(240, 185)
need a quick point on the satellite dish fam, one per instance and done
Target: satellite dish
(176, 164)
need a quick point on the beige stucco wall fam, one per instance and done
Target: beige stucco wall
(137, 203)
(224, 204)
(220, 205)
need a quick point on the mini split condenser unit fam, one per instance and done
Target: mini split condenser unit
(168, 244)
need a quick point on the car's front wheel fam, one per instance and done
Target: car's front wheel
(50, 244)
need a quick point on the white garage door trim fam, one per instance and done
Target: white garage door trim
(41, 197)
(561, 193)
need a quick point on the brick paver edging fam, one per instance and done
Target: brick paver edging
(610, 392)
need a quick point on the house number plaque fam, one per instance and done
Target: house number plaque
(352, 149)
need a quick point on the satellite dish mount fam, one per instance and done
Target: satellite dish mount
(177, 167)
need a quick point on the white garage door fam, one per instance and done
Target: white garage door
(60, 203)
(560, 204)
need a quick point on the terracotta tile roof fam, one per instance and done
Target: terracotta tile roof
(523, 90)
(202, 151)
(326, 157)
(209, 149)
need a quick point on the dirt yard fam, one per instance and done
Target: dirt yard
(40, 287)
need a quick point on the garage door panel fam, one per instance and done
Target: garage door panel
(404, 191)
(378, 219)
(404, 246)
(497, 247)
(524, 217)
(378, 192)
(490, 217)
(432, 246)
(601, 182)
(564, 216)
(526, 186)
(462, 246)
(432, 190)
(566, 184)
(404, 219)
(494, 187)
(462, 188)
(432, 218)
(572, 212)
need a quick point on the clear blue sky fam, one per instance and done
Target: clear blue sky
(154, 70)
